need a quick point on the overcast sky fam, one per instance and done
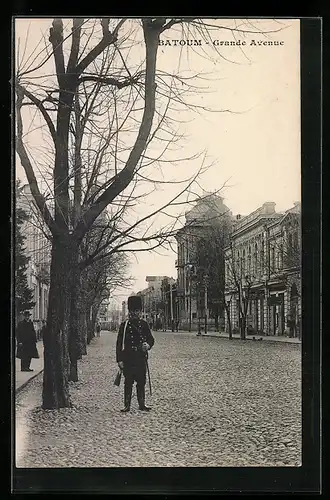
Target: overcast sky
(255, 148)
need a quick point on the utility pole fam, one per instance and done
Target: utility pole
(190, 301)
(205, 304)
(171, 305)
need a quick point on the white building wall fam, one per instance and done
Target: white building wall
(274, 283)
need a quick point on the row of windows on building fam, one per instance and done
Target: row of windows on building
(254, 260)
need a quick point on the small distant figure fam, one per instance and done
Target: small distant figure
(42, 330)
(98, 329)
(26, 342)
(164, 324)
(292, 326)
(158, 324)
(177, 325)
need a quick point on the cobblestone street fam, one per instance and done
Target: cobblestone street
(215, 402)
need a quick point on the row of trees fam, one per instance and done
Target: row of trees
(96, 108)
(108, 119)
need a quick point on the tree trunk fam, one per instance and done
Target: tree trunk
(83, 330)
(243, 328)
(74, 347)
(95, 310)
(230, 330)
(55, 392)
(89, 324)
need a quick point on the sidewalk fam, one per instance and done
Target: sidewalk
(37, 365)
(268, 338)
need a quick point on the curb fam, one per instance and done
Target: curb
(18, 389)
(248, 338)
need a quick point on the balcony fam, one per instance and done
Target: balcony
(178, 263)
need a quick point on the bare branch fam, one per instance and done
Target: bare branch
(42, 109)
(125, 176)
(38, 197)
(76, 33)
(107, 39)
(103, 80)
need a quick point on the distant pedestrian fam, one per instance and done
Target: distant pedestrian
(42, 330)
(158, 324)
(291, 326)
(98, 329)
(26, 342)
(177, 325)
(133, 343)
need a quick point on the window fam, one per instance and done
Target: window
(295, 240)
(34, 244)
(280, 257)
(255, 259)
(272, 259)
(262, 258)
(182, 253)
(249, 269)
(243, 262)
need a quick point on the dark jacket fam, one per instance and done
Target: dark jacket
(137, 332)
(26, 340)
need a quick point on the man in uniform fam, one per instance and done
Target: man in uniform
(132, 353)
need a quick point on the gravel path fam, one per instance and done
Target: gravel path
(215, 403)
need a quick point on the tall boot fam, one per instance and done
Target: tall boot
(127, 397)
(140, 392)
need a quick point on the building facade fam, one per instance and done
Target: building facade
(262, 272)
(152, 297)
(38, 248)
(210, 211)
(170, 310)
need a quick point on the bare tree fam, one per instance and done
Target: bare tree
(210, 267)
(93, 74)
(241, 275)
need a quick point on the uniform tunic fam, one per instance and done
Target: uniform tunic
(134, 359)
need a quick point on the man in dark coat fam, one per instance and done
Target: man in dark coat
(132, 353)
(26, 342)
